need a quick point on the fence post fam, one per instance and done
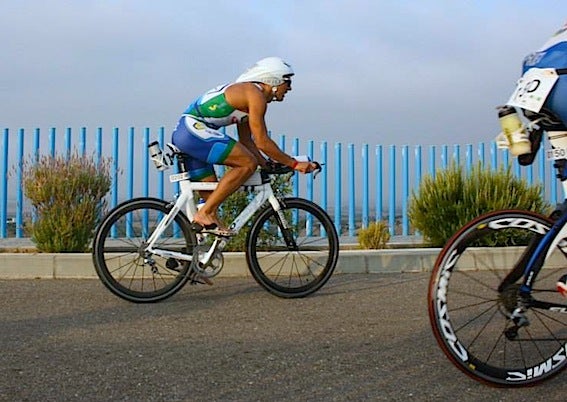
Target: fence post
(457, 154)
(351, 190)
(493, 156)
(418, 166)
(469, 157)
(309, 195)
(52, 135)
(161, 178)
(83, 141)
(4, 184)
(418, 169)
(324, 169)
(392, 203)
(146, 164)
(405, 189)
(295, 151)
(379, 183)
(338, 188)
(98, 145)
(20, 184)
(432, 161)
(365, 185)
(115, 154)
(68, 142)
(445, 156)
(481, 156)
(36, 145)
(130, 162)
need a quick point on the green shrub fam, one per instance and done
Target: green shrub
(67, 196)
(375, 236)
(237, 201)
(443, 204)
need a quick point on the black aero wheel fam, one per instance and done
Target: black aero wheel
(297, 261)
(125, 268)
(474, 290)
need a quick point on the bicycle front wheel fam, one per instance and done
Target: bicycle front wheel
(296, 261)
(474, 290)
(121, 262)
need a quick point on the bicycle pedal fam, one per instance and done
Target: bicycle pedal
(212, 229)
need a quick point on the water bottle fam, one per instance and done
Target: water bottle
(200, 203)
(518, 140)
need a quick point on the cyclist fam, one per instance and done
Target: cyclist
(244, 103)
(553, 54)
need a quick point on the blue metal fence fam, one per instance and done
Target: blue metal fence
(375, 183)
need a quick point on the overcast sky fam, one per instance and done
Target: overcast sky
(367, 71)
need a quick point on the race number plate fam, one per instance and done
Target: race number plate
(533, 88)
(555, 154)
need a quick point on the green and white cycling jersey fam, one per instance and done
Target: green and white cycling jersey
(212, 109)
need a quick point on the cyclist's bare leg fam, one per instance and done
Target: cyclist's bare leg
(243, 163)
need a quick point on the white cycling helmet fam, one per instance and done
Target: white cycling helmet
(271, 70)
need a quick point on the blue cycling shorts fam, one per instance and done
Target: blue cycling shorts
(205, 146)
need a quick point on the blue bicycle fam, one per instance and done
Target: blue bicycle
(496, 300)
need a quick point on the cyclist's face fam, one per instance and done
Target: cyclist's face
(282, 89)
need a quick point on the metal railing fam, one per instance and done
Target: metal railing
(359, 184)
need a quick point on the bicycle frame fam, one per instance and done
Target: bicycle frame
(541, 249)
(186, 199)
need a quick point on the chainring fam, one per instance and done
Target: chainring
(212, 267)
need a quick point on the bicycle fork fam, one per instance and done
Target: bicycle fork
(528, 267)
(283, 224)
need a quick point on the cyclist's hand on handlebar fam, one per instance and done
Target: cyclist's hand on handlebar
(308, 167)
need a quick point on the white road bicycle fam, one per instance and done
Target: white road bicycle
(146, 249)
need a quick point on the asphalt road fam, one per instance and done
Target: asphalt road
(362, 337)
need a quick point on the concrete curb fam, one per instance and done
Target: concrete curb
(80, 265)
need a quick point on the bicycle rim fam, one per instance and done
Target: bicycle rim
(471, 319)
(298, 271)
(120, 261)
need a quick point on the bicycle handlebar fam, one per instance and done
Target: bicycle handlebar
(279, 168)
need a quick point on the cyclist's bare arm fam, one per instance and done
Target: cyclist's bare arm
(249, 98)
(245, 138)
(257, 107)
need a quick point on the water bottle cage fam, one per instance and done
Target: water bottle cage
(502, 140)
(161, 160)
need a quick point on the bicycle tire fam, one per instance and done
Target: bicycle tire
(470, 316)
(118, 251)
(297, 272)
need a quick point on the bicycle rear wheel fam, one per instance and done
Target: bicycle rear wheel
(474, 289)
(121, 262)
(302, 264)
